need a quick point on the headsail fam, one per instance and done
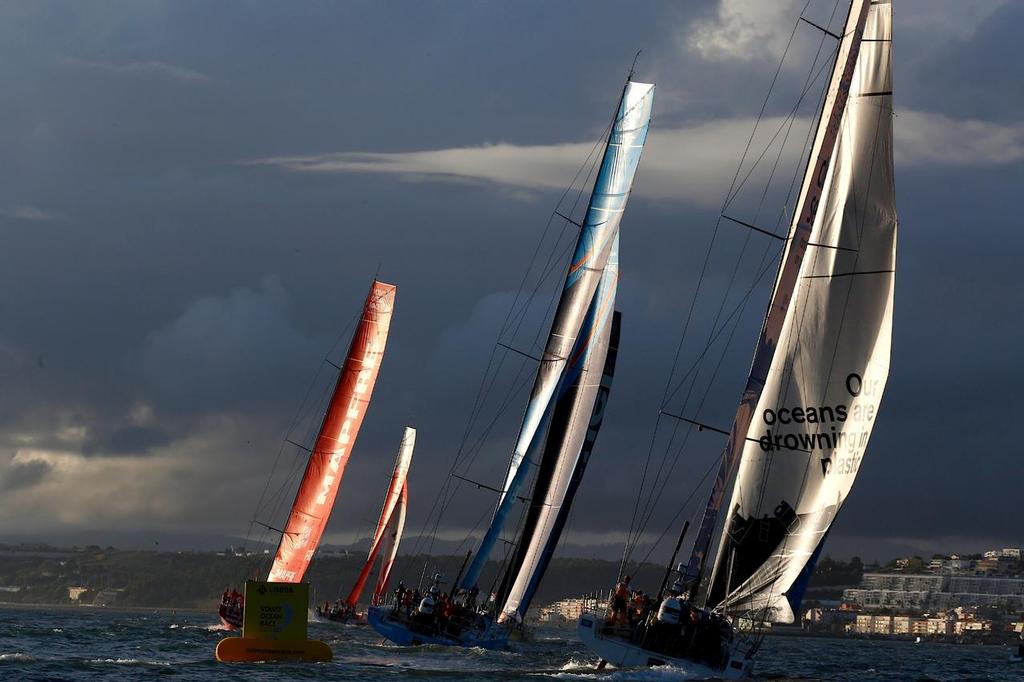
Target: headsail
(598, 234)
(389, 544)
(392, 500)
(322, 478)
(578, 415)
(823, 357)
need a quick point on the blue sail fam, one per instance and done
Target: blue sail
(598, 233)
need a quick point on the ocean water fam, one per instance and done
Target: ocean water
(83, 644)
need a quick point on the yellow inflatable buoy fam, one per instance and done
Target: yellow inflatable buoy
(252, 649)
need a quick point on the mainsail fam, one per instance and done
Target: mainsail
(822, 359)
(388, 521)
(322, 478)
(597, 239)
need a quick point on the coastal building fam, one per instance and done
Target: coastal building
(930, 592)
(570, 610)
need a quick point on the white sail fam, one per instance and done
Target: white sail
(806, 436)
(581, 389)
(598, 233)
(392, 500)
(389, 545)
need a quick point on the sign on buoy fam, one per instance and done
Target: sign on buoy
(274, 627)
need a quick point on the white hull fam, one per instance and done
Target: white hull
(622, 654)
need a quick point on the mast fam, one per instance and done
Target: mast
(809, 200)
(598, 233)
(392, 498)
(326, 466)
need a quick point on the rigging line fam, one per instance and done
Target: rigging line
(648, 511)
(788, 128)
(651, 508)
(771, 141)
(682, 507)
(707, 257)
(760, 113)
(347, 330)
(795, 340)
(462, 448)
(473, 451)
(448, 490)
(545, 273)
(279, 497)
(628, 550)
(280, 450)
(526, 274)
(782, 146)
(597, 145)
(761, 263)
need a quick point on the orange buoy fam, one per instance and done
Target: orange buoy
(254, 649)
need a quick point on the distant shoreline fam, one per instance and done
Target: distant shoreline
(91, 607)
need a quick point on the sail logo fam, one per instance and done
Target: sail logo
(832, 417)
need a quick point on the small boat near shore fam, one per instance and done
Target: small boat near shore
(386, 539)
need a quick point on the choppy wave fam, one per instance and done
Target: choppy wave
(68, 645)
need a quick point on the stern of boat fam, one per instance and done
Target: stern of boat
(623, 654)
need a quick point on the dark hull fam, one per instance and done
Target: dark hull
(231, 618)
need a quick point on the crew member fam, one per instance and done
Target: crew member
(619, 598)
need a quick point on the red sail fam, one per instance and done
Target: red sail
(393, 499)
(315, 498)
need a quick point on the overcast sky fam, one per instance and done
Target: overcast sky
(194, 198)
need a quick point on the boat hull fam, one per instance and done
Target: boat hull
(493, 636)
(343, 618)
(230, 618)
(623, 654)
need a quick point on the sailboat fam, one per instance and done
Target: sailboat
(812, 395)
(562, 417)
(386, 539)
(330, 453)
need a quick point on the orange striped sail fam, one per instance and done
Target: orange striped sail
(322, 479)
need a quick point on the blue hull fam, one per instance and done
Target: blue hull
(489, 636)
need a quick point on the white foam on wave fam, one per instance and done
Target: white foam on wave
(17, 657)
(219, 627)
(573, 670)
(126, 661)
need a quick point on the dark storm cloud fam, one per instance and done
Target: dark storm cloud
(18, 475)
(126, 440)
(167, 301)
